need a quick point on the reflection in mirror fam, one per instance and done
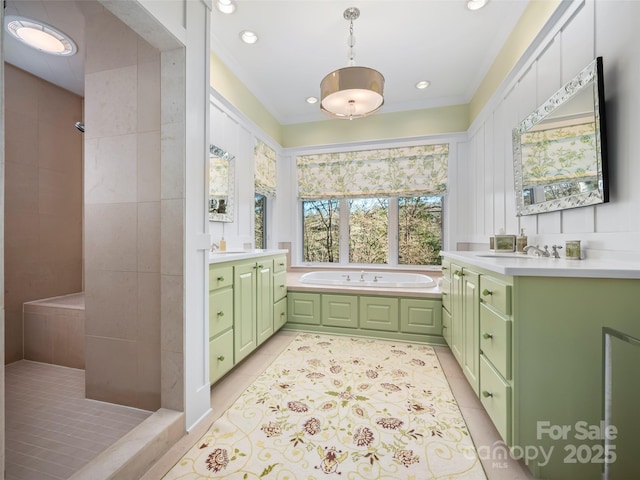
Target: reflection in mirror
(221, 185)
(560, 150)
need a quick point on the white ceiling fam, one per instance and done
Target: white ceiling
(300, 41)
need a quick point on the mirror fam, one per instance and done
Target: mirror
(560, 154)
(221, 185)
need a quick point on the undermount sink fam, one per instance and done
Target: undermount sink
(508, 255)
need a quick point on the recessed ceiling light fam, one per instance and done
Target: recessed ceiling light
(226, 6)
(40, 36)
(423, 84)
(312, 100)
(248, 37)
(476, 4)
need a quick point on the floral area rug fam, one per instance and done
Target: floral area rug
(340, 407)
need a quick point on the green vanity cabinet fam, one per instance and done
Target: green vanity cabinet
(246, 306)
(464, 317)
(411, 319)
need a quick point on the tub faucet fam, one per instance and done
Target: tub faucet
(537, 251)
(376, 277)
(362, 276)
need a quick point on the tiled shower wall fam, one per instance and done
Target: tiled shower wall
(122, 215)
(43, 197)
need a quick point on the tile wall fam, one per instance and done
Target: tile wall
(122, 215)
(43, 197)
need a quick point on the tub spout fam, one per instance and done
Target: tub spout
(362, 276)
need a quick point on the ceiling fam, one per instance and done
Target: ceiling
(301, 41)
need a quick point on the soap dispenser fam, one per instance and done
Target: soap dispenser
(521, 241)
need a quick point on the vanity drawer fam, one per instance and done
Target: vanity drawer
(279, 285)
(495, 340)
(280, 264)
(279, 314)
(220, 311)
(495, 395)
(220, 277)
(220, 356)
(496, 293)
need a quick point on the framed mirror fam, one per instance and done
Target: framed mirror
(221, 185)
(560, 150)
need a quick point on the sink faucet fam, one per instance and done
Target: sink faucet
(537, 251)
(555, 253)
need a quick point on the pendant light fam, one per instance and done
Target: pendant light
(352, 92)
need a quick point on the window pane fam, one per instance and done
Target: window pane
(260, 221)
(321, 221)
(369, 230)
(419, 230)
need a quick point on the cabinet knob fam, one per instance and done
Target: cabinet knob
(221, 358)
(444, 293)
(282, 314)
(221, 313)
(486, 394)
(221, 279)
(486, 335)
(458, 273)
(281, 264)
(445, 268)
(282, 286)
(486, 292)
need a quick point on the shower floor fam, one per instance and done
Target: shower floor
(52, 430)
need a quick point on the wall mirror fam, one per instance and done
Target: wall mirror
(221, 184)
(560, 150)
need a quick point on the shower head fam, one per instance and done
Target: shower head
(80, 126)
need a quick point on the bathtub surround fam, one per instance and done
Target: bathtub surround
(343, 410)
(43, 195)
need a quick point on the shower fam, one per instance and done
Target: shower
(80, 126)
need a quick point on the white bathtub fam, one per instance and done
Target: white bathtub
(368, 279)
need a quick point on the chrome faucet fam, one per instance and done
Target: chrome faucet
(537, 251)
(555, 249)
(362, 276)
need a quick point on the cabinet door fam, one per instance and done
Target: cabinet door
(244, 306)
(340, 311)
(471, 327)
(304, 308)
(264, 300)
(220, 356)
(379, 314)
(419, 315)
(279, 313)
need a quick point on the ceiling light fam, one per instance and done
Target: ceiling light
(423, 84)
(226, 6)
(352, 92)
(312, 100)
(248, 37)
(40, 36)
(476, 4)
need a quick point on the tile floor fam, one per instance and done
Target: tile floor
(51, 429)
(227, 390)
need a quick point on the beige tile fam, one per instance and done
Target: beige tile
(173, 83)
(172, 308)
(173, 161)
(149, 307)
(172, 236)
(149, 166)
(60, 144)
(111, 102)
(68, 338)
(60, 241)
(111, 300)
(111, 170)
(172, 380)
(149, 96)
(149, 237)
(19, 134)
(21, 237)
(21, 188)
(19, 87)
(59, 193)
(38, 337)
(148, 368)
(147, 52)
(111, 375)
(109, 43)
(13, 335)
(111, 237)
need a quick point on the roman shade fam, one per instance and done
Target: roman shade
(390, 172)
(264, 169)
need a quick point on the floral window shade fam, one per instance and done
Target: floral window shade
(265, 169)
(559, 154)
(389, 172)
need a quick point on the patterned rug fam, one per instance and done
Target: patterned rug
(329, 406)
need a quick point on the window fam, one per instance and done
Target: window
(260, 223)
(389, 230)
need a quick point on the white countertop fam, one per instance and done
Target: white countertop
(230, 255)
(515, 264)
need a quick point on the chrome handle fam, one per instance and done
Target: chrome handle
(486, 394)
(221, 313)
(487, 335)
(282, 286)
(486, 292)
(221, 358)
(459, 273)
(221, 279)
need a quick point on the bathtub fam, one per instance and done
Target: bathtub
(368, 279)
